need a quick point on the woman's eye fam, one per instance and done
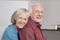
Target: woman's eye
(20, 17)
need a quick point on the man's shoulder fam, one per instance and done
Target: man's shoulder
(30, 26)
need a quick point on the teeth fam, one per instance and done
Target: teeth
(38, 17)
(21, 24)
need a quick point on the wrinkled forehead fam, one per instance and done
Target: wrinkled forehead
(37, 7)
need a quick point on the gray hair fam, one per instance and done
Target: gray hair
(33, 3)
(14, 15)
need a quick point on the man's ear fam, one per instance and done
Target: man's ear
(30, 14)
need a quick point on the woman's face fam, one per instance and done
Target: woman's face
(21, 20)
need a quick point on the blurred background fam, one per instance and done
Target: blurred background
(50, 23)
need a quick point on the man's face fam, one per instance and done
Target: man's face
(37, 13)
(21, 20)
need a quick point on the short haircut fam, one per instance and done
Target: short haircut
(14, 15)
(33, 3)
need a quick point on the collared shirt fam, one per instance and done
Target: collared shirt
(31, 32)
(10, 33)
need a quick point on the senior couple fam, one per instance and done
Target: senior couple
(25, 26)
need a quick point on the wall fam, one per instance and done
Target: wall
(52, 14)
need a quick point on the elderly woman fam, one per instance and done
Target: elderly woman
(19, 19)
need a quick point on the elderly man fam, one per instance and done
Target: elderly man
(32, 28)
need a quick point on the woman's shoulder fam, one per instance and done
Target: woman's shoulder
(10, 33)
(10, 29)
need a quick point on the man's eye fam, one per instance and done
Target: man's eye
(41, 11)
(37, 11)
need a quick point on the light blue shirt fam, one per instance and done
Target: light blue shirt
(10, 33)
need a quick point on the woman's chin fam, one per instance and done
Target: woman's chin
(20, 26)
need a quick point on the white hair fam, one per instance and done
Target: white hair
(33, 3)
(15, 14)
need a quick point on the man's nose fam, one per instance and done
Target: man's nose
(39, 14)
